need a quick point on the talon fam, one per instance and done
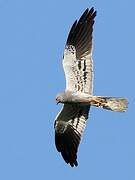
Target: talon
(98, 102)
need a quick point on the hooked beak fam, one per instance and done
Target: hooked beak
(57, 102)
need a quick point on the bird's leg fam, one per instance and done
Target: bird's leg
(110, 103)
(97, 101)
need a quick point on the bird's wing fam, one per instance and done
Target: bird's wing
(77, 59)
(69, 126)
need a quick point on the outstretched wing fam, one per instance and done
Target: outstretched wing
(77, 61)
(69, 126)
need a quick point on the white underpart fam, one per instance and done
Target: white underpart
(69, 62)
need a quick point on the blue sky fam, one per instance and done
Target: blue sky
(32, 38)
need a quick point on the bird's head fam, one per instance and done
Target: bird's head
(60, 98)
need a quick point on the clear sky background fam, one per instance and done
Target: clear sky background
(32, 39)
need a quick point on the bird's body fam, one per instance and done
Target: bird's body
(109, 103)
(75, 97)
(78, 95)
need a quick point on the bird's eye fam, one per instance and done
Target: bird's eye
(57, 98)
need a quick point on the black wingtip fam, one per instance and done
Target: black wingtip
(81, 31)
(93, 12)
(67, 144)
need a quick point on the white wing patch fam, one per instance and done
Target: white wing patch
(78, 73)
(79, 124)
(73, 115)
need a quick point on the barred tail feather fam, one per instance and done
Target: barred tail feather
(110, 103)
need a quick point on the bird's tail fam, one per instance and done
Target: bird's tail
(110, 103)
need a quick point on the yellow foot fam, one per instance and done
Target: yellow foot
(97, 101)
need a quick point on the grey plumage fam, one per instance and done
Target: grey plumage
(78, 68)
(78, 95)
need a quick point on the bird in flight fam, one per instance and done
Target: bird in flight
(78, 96)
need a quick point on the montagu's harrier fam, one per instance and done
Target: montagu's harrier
(78, 96)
